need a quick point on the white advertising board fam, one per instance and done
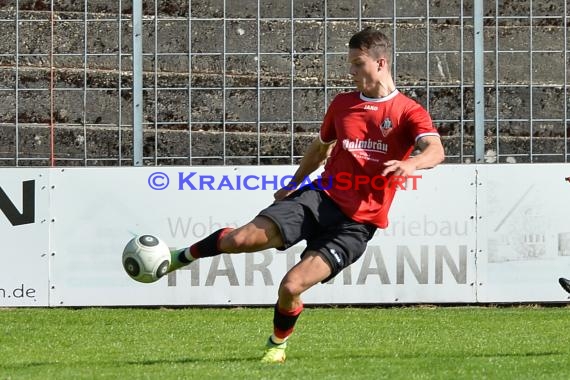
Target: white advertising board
(524, 233)
(99, 210)
(24, 232)
(459, 234)
(425, 255)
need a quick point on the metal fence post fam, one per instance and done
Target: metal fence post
(137, 84)
(479, 80)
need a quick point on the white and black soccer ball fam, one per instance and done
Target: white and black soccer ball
(146, 258)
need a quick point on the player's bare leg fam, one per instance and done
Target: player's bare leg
(259, 234)
(311, 270)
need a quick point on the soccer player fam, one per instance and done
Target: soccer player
(565, 283)
(365, 134)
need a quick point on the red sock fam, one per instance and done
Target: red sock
(210, 245)
(284, 321)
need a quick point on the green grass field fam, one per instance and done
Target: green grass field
(329, 343)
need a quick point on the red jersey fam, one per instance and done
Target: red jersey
(369, 132)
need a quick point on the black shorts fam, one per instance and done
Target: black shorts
(310, 214)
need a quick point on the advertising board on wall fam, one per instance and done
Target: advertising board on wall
(457, 234)
(24, 233)
(427, 253)
(524, 232)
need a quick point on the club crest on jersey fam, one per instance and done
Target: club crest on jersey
(386, 127)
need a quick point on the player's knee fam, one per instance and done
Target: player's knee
(289, 289)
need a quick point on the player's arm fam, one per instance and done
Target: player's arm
(431, 154)
(314, 157)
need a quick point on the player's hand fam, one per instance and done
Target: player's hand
(283, 193)
(399, 168)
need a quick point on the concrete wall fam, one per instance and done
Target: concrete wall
(94, 123)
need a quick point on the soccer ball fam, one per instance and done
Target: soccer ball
(146, 258)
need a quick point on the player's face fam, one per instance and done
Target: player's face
(364, 70)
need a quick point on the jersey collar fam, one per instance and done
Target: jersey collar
(383, 99)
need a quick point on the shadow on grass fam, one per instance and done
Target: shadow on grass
(236, 359)
(141, 362)
(506, 354)
(439, 356)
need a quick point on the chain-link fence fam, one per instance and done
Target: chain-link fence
(227, 82)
